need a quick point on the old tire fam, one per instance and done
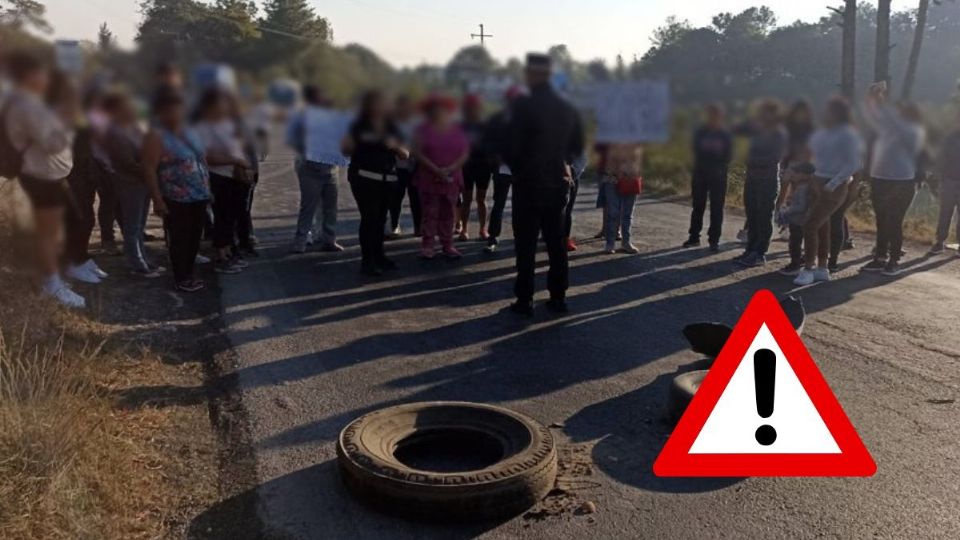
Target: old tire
(682, 389)
(520, 468)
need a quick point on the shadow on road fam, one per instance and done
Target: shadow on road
(303, 489)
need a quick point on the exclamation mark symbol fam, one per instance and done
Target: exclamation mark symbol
(765, 379)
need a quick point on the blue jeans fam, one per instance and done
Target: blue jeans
(619, 213)
(134, 202)
(318, 192)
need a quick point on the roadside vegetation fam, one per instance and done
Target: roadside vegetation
(81, 455)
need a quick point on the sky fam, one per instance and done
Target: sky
(411, 32)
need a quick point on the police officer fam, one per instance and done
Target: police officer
(545, 135)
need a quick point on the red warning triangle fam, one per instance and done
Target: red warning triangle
(721, 434)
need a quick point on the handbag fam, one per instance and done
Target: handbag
(629, 186)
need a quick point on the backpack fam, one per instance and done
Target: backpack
(11, 159)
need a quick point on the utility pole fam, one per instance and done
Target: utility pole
(482, 35)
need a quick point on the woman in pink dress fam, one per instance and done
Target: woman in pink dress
(440, 149)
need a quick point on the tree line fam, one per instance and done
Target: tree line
(735, 58)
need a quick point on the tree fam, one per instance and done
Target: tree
(908, 80)
(105, 39)
(470, 62)
(882, 58)
(670, 33)
(21, 14)
(848, 54)
(752, 22)
(598, 71)
(289, 27)
(226, 31)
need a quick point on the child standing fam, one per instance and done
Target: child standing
(793, 213)
(768, 143)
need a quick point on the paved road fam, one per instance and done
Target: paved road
(318, 345)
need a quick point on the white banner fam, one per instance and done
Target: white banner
(632, 112)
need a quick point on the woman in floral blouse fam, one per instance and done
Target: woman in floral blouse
(176, 173)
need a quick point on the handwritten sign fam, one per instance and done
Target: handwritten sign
(69, 56)
(632, 112)
(324, 131)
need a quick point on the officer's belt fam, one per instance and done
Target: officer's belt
(377, 176)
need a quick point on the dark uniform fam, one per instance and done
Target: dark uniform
(545, 136)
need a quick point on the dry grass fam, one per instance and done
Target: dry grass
(75, 463)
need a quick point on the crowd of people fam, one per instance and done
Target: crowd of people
(70, 147)
(805, 177)
(196, 162)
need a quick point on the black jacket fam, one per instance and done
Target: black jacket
(545, 135)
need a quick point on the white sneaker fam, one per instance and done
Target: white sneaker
(821, 275)
(68, 298)
(82, 274)
(202, 259)
(804, 278)
(91, 266)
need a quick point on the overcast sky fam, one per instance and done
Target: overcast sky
(408, 32)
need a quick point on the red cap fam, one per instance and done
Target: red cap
(438, 100)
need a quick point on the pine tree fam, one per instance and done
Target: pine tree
(288, 26)
(105, 38)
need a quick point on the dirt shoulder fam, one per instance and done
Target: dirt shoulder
(120, 421)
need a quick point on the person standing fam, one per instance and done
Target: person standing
(837, 156)
(175, 170)
(620, 180)
(85, 181)
(496, 136)
(245, 240)
(108, 206)
(123, 143)
(314, 135)
(231, 175)
(900, 138)
(37, 142)
(578, 167)
(712, 153)
(476, 171)
(768, 145)
(441, 148)
(949, 188)
(373, 144)
(545, 136)
(404, 115)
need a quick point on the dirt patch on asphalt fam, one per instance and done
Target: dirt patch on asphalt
(570, 496)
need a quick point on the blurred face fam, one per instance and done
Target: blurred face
(472, 112)
(829, 118)
(125, 114)
(714, 117)
(438, 114)
(171, 116)
(536, 77)
(170, 78)
(802, 116)
(377, 108)
(37, 81)
(403, 109)
(768, 117)
(219, 109)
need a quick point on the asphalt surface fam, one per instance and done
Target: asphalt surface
(319, 345)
